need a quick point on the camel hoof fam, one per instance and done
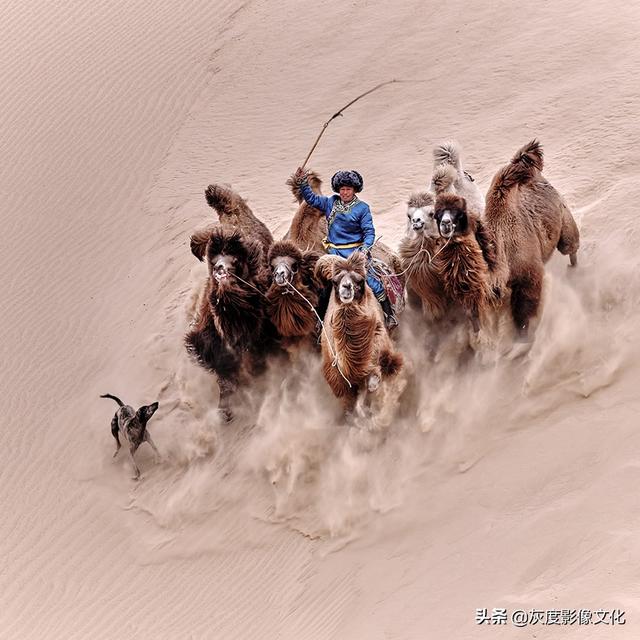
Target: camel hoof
(373, 383)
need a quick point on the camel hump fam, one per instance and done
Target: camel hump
(443, 177)
(529, 156)
(524, 166)
(447, 153)
(218, 196)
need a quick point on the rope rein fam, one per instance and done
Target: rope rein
(421, 250)
(333, 353)
(249, 285)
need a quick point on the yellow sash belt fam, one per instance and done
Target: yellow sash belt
(329, 245)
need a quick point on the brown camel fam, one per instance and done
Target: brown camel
(357, 352)
(528, 219)
(231, 334)
(421, 242)
(293, 294)
(461, 266)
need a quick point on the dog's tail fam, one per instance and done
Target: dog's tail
(108, 395)
(524, 166)
(447, 153)
(443, 177)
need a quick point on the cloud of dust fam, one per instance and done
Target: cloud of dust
(290, 458)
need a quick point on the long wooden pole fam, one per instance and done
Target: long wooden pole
(339, 113)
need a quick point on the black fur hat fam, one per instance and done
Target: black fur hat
(347, 179)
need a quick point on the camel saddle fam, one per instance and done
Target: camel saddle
(392, 285)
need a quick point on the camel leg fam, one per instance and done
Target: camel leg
(526, 291)
(227, 388)
(373, 381)
(474, 318)
(349, 404)
(569, 241)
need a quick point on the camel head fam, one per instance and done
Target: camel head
(285, 260)
(420, 214)
(451, 215)
(346, 275)
(227, 254)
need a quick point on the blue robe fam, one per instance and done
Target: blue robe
(347, 231)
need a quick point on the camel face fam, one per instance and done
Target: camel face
(421, 220)
(348, 286)
(284, 269)
(451, 216)
(222, 267)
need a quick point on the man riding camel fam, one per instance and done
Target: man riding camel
(350, 226)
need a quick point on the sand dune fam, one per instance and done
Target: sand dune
(115, 118)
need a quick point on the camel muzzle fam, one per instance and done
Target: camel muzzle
(446, 225)
(346, 292)
(220, 271)
(282, 275)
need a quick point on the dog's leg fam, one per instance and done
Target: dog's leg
(148, 439)
(132, 450)
(114, 433)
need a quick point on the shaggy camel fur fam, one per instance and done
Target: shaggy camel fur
(309, 225)
(234, 213)
(528, 219)
(292, 316)
(355, 338)
(449, 176)
(421, 242)
(461, 265)
(447, 272)
(231, 334)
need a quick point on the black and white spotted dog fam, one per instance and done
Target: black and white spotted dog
(133, 427)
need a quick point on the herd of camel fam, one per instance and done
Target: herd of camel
(464, 257)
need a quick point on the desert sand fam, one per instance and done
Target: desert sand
(511, 483)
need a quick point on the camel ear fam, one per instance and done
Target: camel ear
(324, 268)
(199, 241)
(309, 260)
(308, 266)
